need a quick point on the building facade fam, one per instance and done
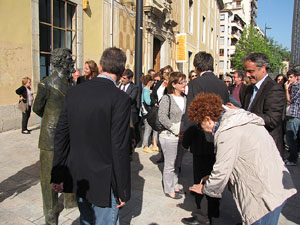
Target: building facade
(233, 18)
(87, 27)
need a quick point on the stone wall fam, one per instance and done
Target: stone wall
(11, 117)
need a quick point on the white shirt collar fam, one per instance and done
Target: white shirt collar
(259, 83)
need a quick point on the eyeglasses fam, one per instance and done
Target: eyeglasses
(182, 82)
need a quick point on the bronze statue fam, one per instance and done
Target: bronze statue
(48, 104)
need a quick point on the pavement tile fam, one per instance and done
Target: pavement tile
(21, 201)
(9, 218)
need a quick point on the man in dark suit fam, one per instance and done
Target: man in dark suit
(201, 143)
(264, 97)
(91, 151)
(132, 90)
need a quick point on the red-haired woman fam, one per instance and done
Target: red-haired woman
(246, 158)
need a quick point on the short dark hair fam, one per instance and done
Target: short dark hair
(260, 59)
(291, 71)
(240, 73)
(151, 70)
(128, 73)
(113, 61)
(203, 61)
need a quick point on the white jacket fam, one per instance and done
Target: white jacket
(248, 158)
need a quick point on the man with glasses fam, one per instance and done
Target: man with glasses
(264, 97)
(238, 91)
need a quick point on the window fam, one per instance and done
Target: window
(222, 28)
(203, 29)
(212, 38)
(222, 16)
(221, 52)
(221, 40)
(57, 30)
(191, 16)
(238, 4)
(221, 64)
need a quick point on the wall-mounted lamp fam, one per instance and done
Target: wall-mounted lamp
(85, 4)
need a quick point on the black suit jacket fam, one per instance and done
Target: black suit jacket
(154, 96)
(202, 143)
(132, 91)
(269, 103)
(91, 151)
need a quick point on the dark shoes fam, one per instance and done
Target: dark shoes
(25, 132)
(177, 196)
(190, 221)
(194, 221)
(180, 191)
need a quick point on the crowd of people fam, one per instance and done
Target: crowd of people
(237, 129)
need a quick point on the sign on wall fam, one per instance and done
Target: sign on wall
(181, 48)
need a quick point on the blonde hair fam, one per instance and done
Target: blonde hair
(25, 80)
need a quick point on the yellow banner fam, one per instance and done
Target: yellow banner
(181, 47)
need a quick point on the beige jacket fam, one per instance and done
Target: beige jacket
(247, 158)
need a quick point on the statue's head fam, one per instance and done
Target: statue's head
(61, 58)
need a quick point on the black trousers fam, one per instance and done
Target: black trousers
(25, 118)
(202, 166)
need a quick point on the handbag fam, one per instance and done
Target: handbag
(22, 106)
(153, 120)
(145, 109)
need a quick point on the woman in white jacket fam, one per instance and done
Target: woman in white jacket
(246, 158)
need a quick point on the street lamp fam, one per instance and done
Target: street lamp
(267, 28)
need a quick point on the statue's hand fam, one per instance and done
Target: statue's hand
(58, 187)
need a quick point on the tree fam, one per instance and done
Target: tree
(252, 41)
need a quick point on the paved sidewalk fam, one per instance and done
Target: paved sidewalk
(20, 194)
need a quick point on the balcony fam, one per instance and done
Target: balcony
(235, 36)
(235, 24)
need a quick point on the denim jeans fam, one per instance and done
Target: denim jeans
(91, 214)
(292, 126)
(271, 218)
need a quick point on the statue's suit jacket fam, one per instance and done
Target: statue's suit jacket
(92, 142)
(48, 104)
(269, 104)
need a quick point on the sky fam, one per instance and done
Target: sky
(277, 14)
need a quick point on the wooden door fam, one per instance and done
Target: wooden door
(156, 54)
